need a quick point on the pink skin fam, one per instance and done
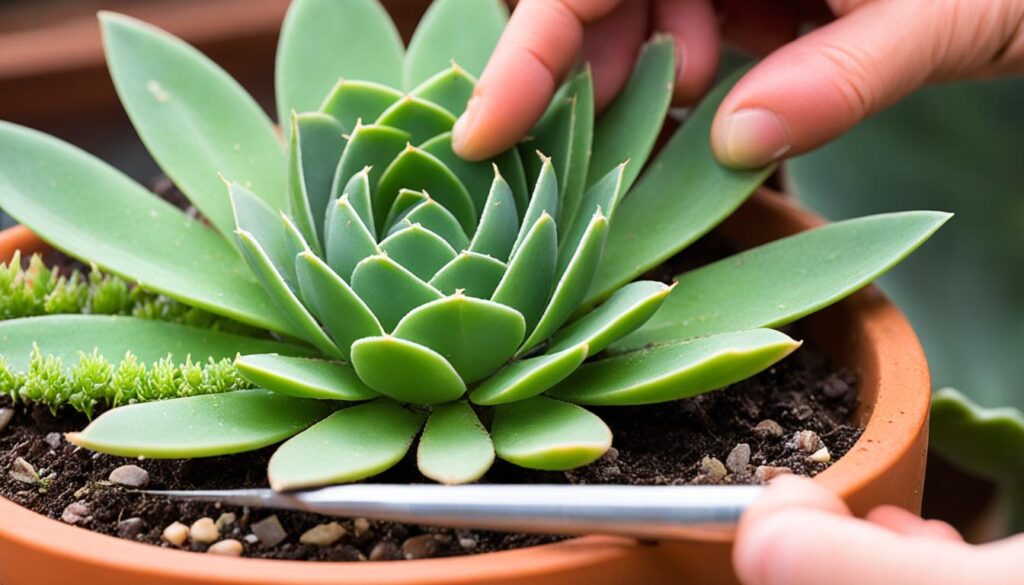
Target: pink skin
(866, 55)
(799, 533)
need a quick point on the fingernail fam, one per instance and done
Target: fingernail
(464, 125)
(754, 137)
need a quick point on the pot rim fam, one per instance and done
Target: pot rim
(901, 390)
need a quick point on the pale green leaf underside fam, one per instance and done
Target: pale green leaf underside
(323, 41)
(66, 336)
(464, 31)
(424, 377)
(684, 183)
(780, 282)
(455, 448)
(671, 372)
(200, 426)
(542, 433)
(82, 206)
(529, 377)
(351, 444)
(985, 441)
(196, 121)
(625, 311)
(304, 377)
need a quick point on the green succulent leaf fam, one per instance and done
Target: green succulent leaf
(475, 336)
(390, 289)
(345, 316)
(476, 275)
(779, 282)
(544, 200)
(547, 434)
(304, 377)
(573, 284)
(455, 448)
(316, 146)
(195, 120)
(628, 129)
(433, 216)
(478, 176)
(353, 101)
(358, 191)
(404, 202)
(424, 377)
(347, 240)
(66, 336)
(624, 312)
(293, 238)
(416, 170)
(529, 377)
(499, 223)
(323, 41)
(418, 249)
(996, 435)
(303, 324)
(251, 214)
(464, 31)
(370, 146)
(421, 119)
(351, 444)
(681, 370)
(450, 89)
(526, 284)
(82, 206)
(200, 426)
(602, 197)
(676, 185)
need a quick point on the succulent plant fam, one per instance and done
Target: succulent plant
(484, 304)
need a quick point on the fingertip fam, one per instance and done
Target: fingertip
(901, 521)
(749, 138)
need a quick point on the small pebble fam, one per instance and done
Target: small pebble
(224, 520)
(23, 471)
(385, 550)
(806, 441)
(53, 440)
(323, 534)
(712, 468)
(204, 531)
(345, 553)
(820, 456)
(612, 454)
(130, 528)
(269, 531)
(6, 414)
(226, 548)
(768, 428)
(423, 546)
(131, 476)
(468, 543)
(75, 513)
(176, 534)
(834, 387)
(764, 473)
(361, 527)
(251, 538)
(739, 458)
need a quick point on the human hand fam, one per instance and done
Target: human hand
(804, 93)
(799, 533)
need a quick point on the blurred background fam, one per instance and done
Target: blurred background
(956, 148)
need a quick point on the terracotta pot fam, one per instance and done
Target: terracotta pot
(886, 466)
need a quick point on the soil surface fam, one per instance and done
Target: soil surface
(662, 444)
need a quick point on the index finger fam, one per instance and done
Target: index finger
(537, 48)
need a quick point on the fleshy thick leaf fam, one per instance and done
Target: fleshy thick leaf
(455, 448)
(351, 444)
(476, 275)
(418, 249)
(670, 372)
(628, 129)
(450, 89)
(670, 207)
(602, 197)
(334, 303)
(478, 176)
(200, 426)
(347, 240)
(624, 312)
(315, 152)
(370, 146)
(424, 377)
(84, 207)
(195, 120)
(423, 120)
(996, 435)
(417, 170)
(251, 214)
(433, 216)
(358, 191)
(499, 223)
(323, 41)
(541, 433)
(529, 377)
(66, 336)
(390, 290)
(526, 284)
(351, 101)
(780, 282)
(464, 31)
(474, 335)
(544, 200)
(304, 377)
(406, 200)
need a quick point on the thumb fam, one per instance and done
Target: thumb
(876, 52)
